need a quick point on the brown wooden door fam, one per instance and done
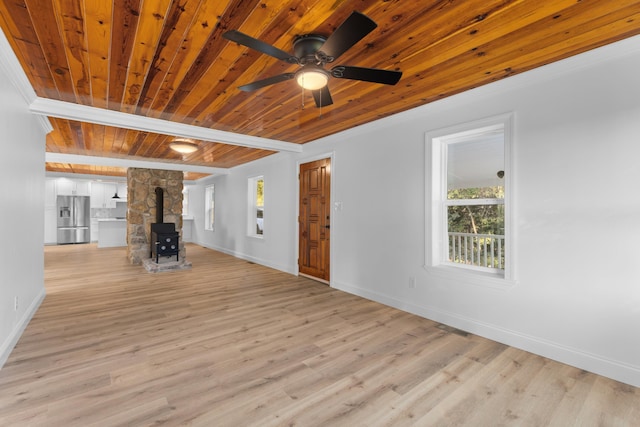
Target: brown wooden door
(314, 220)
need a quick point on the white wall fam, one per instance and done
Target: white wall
(576, 187)
(22, 182)
(275, 249)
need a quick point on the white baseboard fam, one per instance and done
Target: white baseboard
(283, 268)
(12, 339)
(613, 369)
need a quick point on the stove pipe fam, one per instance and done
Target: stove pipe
(159, 205)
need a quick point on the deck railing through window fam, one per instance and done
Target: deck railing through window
(481, 250)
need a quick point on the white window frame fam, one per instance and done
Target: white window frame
(252, 214)
(209, 207)
(185, 201)
(436, 236)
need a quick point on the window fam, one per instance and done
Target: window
(185, 201)
(256, 207)
(468, 228)
(209, 207)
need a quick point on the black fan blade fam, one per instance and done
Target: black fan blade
(352, 30)
(266, 82)
(373, 75)
(322, 97)
(259, 45)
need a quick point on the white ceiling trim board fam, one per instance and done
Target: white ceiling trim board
(130, 163)
(100, 116)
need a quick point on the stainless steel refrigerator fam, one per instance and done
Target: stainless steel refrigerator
(74, 219)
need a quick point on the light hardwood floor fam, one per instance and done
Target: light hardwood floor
(230, 343)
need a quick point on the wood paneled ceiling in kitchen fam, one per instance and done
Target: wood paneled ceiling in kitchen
(167, 59)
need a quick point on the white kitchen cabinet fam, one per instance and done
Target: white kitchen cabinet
(65, 187)
(109, 191)
(94, 229)
(112, 232)
(83, 188)
(72, 187)
(97, 195)
(122, 191)
(101, 195)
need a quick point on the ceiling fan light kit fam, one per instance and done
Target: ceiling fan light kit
(183, 146)
(312, 52)
(312, 78)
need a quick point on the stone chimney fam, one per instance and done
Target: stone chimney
(141, 208)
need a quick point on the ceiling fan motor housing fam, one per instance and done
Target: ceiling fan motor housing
(307, 46)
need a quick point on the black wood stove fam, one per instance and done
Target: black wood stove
(165, 240)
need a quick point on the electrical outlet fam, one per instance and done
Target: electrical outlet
(412, 282)
(15, 303)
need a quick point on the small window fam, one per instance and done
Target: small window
(468, 225)
(209, 206)
(256, 207)
(185, 201)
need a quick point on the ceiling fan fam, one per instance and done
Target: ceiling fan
(312, 52)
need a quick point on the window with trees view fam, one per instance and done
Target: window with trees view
(256, 206)
(209, 207)
(475, 201)
(469, 196)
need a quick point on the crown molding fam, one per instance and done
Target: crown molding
(130, 163)
(85, 113)
(12, 68)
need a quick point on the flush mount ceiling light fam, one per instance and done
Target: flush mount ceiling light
(312, 78)
(183, 146)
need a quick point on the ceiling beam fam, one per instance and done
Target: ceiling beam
(85, 113)
(130, 163)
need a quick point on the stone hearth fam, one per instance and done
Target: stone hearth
(165, 265)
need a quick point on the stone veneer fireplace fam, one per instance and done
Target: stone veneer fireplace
(141, 208)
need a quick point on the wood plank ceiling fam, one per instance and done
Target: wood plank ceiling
(167, 59)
